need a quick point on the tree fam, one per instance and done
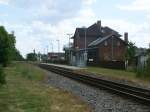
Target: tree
(8, 52)
(131, 50)
(7, 46)
(31, 57)
(2, 76)
(17, 56)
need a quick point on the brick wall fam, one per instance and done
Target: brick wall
(114, 50)
(80, 41)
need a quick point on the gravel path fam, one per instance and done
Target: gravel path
(100, 100)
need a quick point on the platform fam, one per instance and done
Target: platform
(64, 66)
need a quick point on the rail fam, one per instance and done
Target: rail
(138, 94)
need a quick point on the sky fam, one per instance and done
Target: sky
(41, 24)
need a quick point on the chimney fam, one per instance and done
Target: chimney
(126, 37)
(99, 25)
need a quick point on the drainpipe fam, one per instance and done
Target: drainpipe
(85, 50)
(112, 48)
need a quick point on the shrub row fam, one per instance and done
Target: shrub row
(2, 76)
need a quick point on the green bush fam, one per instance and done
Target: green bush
(2, 76)
(27, 73)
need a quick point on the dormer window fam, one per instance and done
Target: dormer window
(105, 43)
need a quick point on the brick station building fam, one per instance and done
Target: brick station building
(98, 46)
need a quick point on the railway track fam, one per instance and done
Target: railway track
(137, 94)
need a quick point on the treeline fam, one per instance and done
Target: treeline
(8, 51)
(36, 57)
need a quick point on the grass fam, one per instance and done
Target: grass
(119, 74)
(26, 92)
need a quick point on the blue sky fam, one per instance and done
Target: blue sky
(38, 24)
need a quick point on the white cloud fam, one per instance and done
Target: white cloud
(3, 15)
(88, 2)
(53, 10)
(148, 16)
(137, 5)
(85, 17)
(138, 33)
(38, 33)
(5, 2)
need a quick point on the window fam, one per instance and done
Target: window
(105, 43)
(103, 31)
(118, 43)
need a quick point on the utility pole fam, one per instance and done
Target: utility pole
(58, 45)
(39, 56)
(85, 42)
(51, 54)
(34, 55)
(47, 49)
(44, 50)
(52, 46)
(34, 51)
(58, 48)
(47, 52)
(69, 34)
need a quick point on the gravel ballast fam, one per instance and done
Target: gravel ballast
(99, 99)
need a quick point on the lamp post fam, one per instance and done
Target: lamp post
(69, 34)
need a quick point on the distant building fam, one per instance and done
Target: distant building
(141, 57)
(53, 56)
(97, 45)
